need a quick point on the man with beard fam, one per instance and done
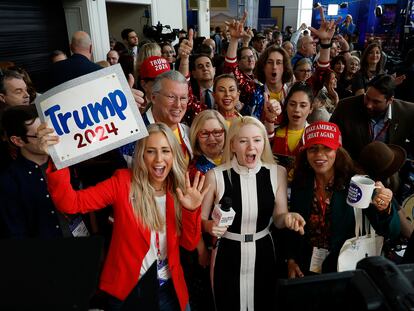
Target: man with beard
(376, 115)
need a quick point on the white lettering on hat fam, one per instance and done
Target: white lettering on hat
(327, 135)
(326, 127)
(312, 135)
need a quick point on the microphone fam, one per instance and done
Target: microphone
(223, 214)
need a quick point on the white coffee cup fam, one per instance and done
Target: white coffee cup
(360, 191)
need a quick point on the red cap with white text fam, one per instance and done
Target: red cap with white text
(322, 133)
(153, 66)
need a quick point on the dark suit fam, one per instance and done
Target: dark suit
(353, 121)
(75, 66)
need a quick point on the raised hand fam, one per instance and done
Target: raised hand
(295, 221)
(186, 46)
(272, 108)
(236, 28)
(44, 139)
(327, 30)
(247, 36)
(398, 80)
(192, 197)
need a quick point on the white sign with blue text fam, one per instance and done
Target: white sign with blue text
(92, 114)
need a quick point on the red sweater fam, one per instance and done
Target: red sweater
(130, 239)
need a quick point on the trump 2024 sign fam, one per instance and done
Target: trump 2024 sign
(91, 115)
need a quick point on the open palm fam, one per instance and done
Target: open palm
(192, 197)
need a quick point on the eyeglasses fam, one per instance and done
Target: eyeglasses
(248, 57)
(304, 70)
(206, 134)
(173, 99)
(168, 52)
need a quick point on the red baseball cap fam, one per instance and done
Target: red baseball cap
(153, 66)
(322, 133)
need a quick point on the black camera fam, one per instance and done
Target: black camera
(160, 33)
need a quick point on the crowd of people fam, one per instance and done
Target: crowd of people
(275, 122)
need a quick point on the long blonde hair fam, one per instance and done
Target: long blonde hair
(145, 51)
(237, 124)
(142, 193)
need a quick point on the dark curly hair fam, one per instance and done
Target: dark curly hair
(343, 166)
(261, 62)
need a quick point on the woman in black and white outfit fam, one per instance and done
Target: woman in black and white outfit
(245, 251)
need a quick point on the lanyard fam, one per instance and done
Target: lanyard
(182, 143)
(157, 245)
(286, 141)
(320, 197)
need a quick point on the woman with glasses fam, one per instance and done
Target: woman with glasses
(303, 69)
(156, 210)
(243, 264)
(207, 135)
(168, 52)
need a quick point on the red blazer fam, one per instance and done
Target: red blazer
(130, 239)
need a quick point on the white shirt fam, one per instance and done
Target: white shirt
(151, 255)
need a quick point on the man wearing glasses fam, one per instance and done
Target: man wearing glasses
(169, 99)
(305, 47)
(246, 61)
(169, 104)
(26, 207)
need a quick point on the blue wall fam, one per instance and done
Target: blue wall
(365, 19)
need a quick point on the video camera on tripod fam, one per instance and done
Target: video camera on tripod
(160, 33)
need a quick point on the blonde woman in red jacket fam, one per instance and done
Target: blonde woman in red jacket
(156, 210)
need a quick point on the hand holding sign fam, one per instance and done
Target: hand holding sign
(91, 115)
(45, 140)
(138, 95)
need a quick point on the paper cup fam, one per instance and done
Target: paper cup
(360, 191)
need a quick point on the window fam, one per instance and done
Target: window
(305, 12)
